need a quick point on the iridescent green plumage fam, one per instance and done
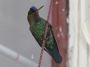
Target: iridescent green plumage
(37, 28)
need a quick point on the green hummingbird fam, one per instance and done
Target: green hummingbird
(37, 28)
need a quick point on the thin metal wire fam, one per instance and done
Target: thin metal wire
(44, 40)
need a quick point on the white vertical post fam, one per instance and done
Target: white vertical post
(73, 20)
(85, 18)
(77, 43)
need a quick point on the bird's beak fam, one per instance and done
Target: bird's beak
(38, 9)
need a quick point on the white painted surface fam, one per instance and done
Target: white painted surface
(78, 14)
(73, 33)
(86, 20)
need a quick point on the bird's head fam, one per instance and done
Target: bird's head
(33, 11)
(33, 14)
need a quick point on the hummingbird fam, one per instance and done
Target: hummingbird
(37, 27)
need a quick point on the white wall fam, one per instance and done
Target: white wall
(79, 50)
(14, 30)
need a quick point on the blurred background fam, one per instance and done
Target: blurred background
(72, 32)
(15, 34)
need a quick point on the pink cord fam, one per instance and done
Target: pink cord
(45, 33)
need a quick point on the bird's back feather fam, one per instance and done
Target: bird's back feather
(37, 28)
